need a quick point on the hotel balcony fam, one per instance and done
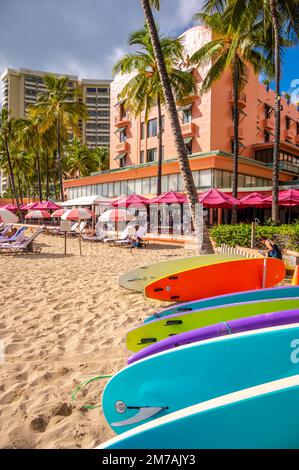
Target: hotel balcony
(241, 101)
(188, 129)
(240, 132)
(122, 120)
(187, 100)
(122, 146)
(288, 134)
(268, 124)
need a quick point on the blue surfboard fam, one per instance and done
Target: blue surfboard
(261, 417)
(181, 377)
(247, 296)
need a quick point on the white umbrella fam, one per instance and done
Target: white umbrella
(8, 217)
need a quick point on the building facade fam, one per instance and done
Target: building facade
(20, 89)
(207, 127)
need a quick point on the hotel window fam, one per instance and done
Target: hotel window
(187, 115)
(266, 136)
(288, 122)
(151, 155)
(165, 183)
(218, 179)
(123, 187)
(100, 189)
(117, 188)
(103, 90)
(152, 128)
(153, 183)
(138, 186)
(205, 179)
(188, 143)
(105, 189)
(227, 180)
(141, 156)
(173, 182)
(110, 190)
(181, 186)
(142, 130)
(241, 181)
(91, 90)
(123, 135)
(145, 188)
(268, 110)
(131, 186)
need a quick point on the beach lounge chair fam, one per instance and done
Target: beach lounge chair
(123, 238)
(17, 237)
(25, 246)
(4, 230)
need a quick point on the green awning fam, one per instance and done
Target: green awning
(185, 107)
(119, 129)
(120, 156)
(187, 140)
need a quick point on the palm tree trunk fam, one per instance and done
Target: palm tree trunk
(276, 148)
(19, 187)
(40, 193)
(160, 148)
(47, 176)
(11, 174)
(59, 160)
(174, 122)
(236, 140)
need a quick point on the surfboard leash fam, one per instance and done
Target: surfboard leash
(82, 385)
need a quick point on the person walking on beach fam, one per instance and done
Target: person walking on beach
(271, 248)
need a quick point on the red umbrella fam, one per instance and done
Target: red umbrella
(289, 197)
(116, 215)
(37, 214)
(217, 199)
(171, 197)
(58, 213)
(254, 199)
(131, 200)
(47, 205)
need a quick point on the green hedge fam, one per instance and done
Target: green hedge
(287, 236)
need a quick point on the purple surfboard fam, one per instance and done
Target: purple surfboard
(220, 329)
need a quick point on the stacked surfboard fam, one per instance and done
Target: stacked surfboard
(226, 357)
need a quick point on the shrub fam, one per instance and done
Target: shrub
(286, 236)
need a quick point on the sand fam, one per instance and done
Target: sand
(63, 320)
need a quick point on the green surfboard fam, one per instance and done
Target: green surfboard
(150, 333)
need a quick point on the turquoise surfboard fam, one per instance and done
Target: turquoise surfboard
(261, 417)
(181, 377)
(247, 296)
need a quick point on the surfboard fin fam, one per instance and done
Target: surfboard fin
(144, 412)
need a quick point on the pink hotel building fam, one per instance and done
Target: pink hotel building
(207, 128)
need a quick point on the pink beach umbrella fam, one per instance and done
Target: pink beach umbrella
(47, 205)
(10, 207)
(116, 215)
(29, 207)
(217, 199)
(171, 197)
(7, 216)
(38, 214)
(80, 213)
(254, 199)
(58, 213)
(289, 197)
(131, 200)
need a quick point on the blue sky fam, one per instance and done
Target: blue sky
(87, 37)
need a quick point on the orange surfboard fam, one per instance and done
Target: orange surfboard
(217, 279)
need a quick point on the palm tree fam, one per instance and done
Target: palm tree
(174, 119)
(102, 154)
(30, 138)
(144, 90)
(278, 22)
(80, 161)
(60, 107)
(7, 134)
(234, 48)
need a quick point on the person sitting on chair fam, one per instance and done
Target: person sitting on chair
(272, 249)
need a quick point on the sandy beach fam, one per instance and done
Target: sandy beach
(63, 320)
